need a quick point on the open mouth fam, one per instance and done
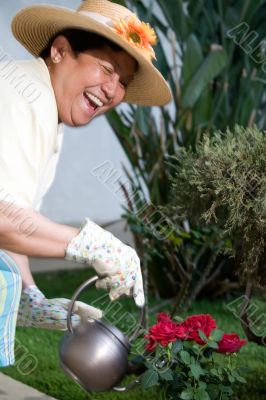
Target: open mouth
(92, 101)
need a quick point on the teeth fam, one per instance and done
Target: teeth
(94, 99)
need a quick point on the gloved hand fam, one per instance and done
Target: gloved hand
(117, 263)
(35, 310)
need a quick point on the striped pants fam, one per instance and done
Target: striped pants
(10, 292)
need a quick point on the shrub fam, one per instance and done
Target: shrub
(224, 183)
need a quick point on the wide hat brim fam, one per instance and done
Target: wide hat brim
(34, 27)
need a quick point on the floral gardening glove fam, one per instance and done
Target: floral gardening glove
(117, 263)
(38, 312)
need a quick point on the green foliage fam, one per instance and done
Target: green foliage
(224, 183)
(192, 371)
(215, 83)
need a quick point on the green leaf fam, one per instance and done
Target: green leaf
(213, 345)
(185, 357)
(176, 17)
(211, 67)
(149, 378)
(245, 110)
(192, 58)
(187, 394)
(138, 359)
(226, 389)
(175, 240)
(201, 394)
(196, 370)
(213, 391)
(167, 375)
(203, 336)
(241, 379)
(202, 384)
(214, 372)
(177, 318)
(216, 335)
(203, 108)
(148, 364)
(121, 2)
(177, 347)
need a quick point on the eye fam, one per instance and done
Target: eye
(108, 69)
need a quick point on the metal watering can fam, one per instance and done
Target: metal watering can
(95, 354)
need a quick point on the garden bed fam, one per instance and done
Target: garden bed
(43, 344)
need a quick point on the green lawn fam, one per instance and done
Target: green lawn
(43, 344)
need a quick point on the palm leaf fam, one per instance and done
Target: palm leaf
(209, 69)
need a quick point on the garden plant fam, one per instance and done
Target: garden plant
(223, 183)
(184, 358)
(216, 83)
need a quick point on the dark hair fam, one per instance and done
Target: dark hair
(80, 41)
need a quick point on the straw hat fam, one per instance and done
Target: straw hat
(34, 26)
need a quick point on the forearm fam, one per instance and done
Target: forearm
(25, 231)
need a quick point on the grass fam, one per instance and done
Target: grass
(36, 346)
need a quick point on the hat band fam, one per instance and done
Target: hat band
(98, 17)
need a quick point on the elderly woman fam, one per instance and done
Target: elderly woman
(86, 62)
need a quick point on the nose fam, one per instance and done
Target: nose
(110, 86)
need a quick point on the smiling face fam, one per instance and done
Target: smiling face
(90, 83)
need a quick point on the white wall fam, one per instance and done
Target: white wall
(75, 193)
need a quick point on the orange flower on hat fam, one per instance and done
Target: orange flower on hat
(138, 34)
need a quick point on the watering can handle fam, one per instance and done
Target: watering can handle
(82, 287)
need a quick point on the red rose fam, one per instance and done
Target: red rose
(151, 345)
(164, 332)
(192, 324)
(230, 343)
(163, 317)
(181, 332)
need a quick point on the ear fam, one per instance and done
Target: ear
(59, 49)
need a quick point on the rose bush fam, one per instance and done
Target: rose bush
(191, 358)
